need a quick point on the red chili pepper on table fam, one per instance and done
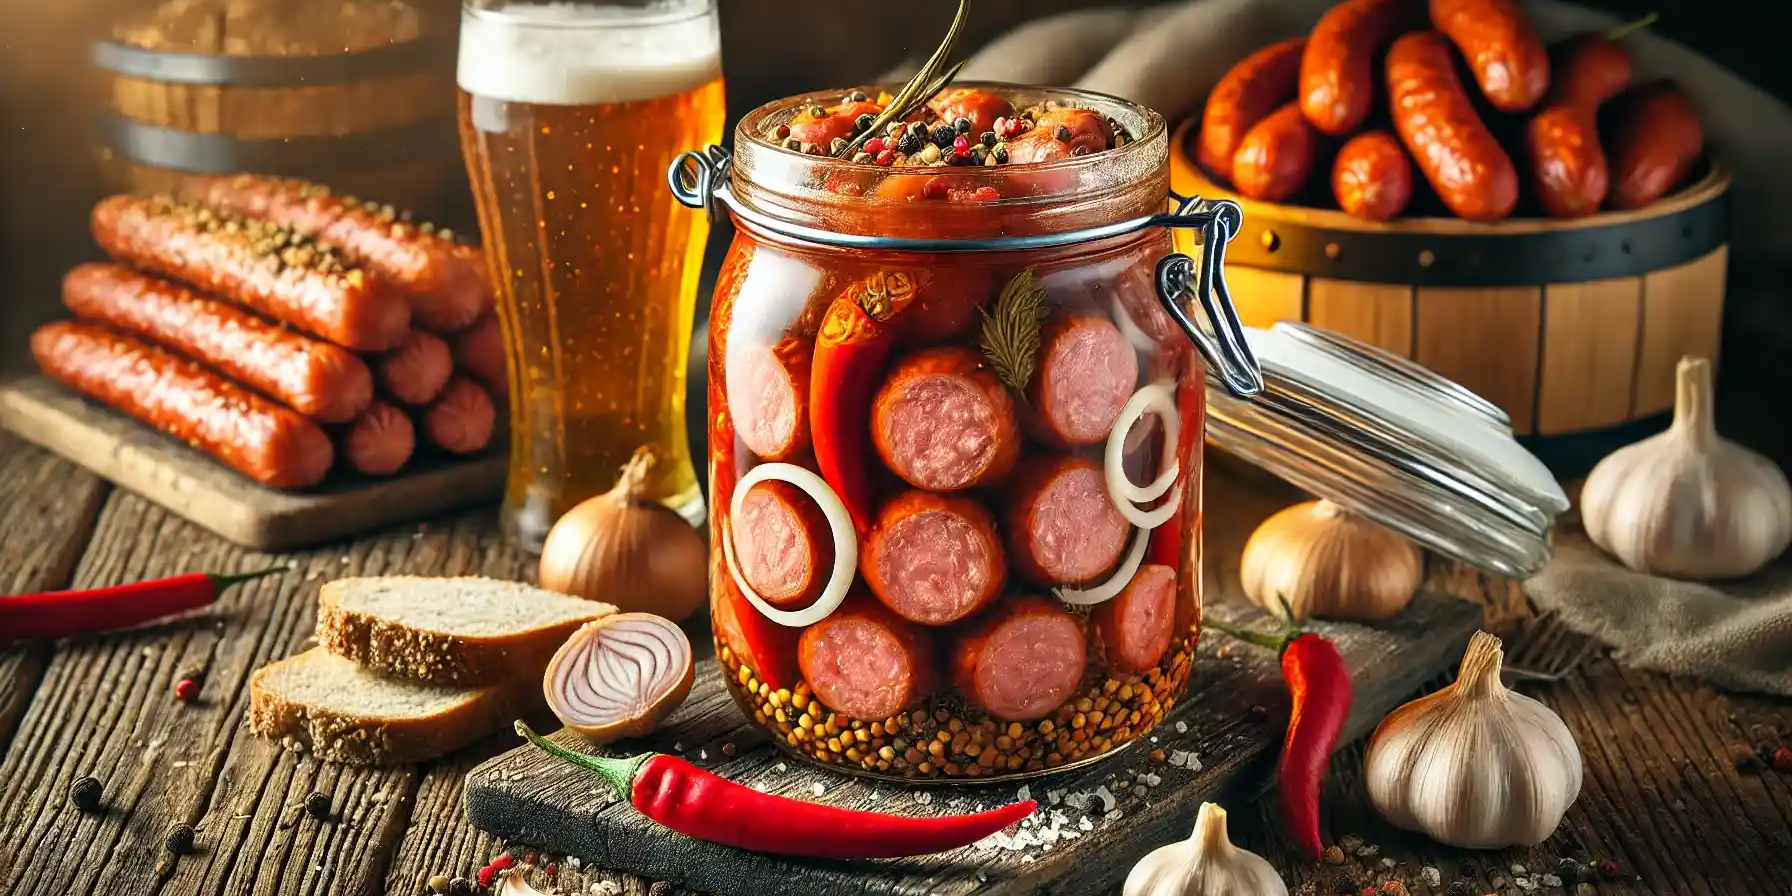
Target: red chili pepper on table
(1319, 685)
(708, 807)
(57, 614)
(854, 341)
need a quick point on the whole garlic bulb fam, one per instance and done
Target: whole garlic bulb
(1326, 562)
(1206, 864)
(1474, 765)
(1689, 504)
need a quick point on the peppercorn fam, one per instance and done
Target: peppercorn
(1572, 872)
(781, 132)
(440, 885)
(1334, 855)
(793, 144)
(988, 138)
(1063, 134)
(962, 125)
(460, 886)
(835, 145)
(1343, 883)
(909, 144)
(886, 159)
(1745, 760)
(1001, 156)
(817, 112)
(943, 136)
(918, 129)
(179, 839)
(1608, 869)
(864, 122)
(857, 96)
(84, 795)
(1459, 888)
(862, 158)
(317, 804)
(552, 868)
(960, 145)
(977, 155)
(186, 690)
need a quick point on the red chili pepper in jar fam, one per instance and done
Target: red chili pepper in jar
(1319, 685)
(58, 614)
(708, 807)
(855, 339)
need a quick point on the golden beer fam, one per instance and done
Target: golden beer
(570, 114)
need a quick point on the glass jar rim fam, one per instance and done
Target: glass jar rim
(509, 13)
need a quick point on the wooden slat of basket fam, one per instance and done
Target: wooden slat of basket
(1589, 354)
(1380, 314)
(1485, 339)
(1683, 310)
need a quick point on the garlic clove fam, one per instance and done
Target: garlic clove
(1474, 765)
(1688, 503)
(1206, 864)
(1326, 562)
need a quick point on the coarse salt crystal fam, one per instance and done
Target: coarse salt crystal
(1025, 793)
(923, 797)
(779, 767)
(1431, 876)
(702, 754)
(1077, 801)
(1550, 880)
(817, 789)
(1084, 824)
(1112, 816)
(1054, 797)
(1150, 779)
(1107, 798)
(678, 746)
(1026, 860)
(759, 786)
(1154, 738)
(1181, 727)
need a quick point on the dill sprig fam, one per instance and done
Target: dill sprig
(929, 81)
(1011, 333)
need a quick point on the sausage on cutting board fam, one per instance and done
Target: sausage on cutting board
(1502, 48)
(1445, 135)
(1275, 156)
(416, 371)
(267, 442)
(866, 661)
(1371, 177)
(462, 419)
(479, 352)
(1657, 139)
(444, 281)
(933, 559)
(1087, 371)
(784, 544)
(1022, 659)
(768, 394)
(1061, 524)
(1337, 70)
(318, 379)
(1135, 627)
(379, 442)
(943, 422)
(1258, 85)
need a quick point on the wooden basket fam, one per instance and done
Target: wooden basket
(358, 95)
(1572, 327)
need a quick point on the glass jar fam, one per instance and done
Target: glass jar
(955, 447)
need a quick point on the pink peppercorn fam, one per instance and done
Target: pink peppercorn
(186, 690)
(552, 868)
(962, 146)
(875, 145)
(503, 861)
(486, 874)
(887, 158)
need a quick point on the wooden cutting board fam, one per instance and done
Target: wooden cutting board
(1079, 842)
(207, 493)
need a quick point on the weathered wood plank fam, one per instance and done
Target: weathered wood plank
(50, 506)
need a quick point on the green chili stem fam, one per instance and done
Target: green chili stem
(1629, 28)
(619, 772)
(1277, 642)
(221, 582)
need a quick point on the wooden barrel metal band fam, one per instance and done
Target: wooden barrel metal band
(160, 147)
(223, 70)
(1503, 256)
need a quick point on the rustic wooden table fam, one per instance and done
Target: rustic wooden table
(1662, 798)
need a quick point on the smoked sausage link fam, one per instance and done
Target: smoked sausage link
(1337, 69)
(785, 547)
(267, 442)
(1087, 371)
(979, 106)
(479, 352)
(1255, 87)
(933, 559)
(1501, 46)
(1440, 127)
(1134, 629)
(768, 392)
(1372, 178)
(1276, 155)
(462, 419)
(1061, 133)
(1061, 524)
(1563, 158)
(269, 268)
(380, 441)
(1657, 139)
(866, 661)
(416, 371)
(1022, 659)
(444, 280)
(943, 422)
(318, 379)
(1589, 71)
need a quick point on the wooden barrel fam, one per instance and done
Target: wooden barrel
(356, 94)
(1573, 327)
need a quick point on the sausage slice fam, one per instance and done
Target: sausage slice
(1134, 629)
(1061, 524)
(934, 559)
(1022, 659)
(865, 661)
(943, 422)
(785, 547)
(768, 394)
(1087, 371)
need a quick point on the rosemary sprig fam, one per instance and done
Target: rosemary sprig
(1011, 334)
(919, 89)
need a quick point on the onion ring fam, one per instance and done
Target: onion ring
(1122, 577)
(1160, 399)
(846, 544)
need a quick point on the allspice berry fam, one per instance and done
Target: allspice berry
(179, 840)
(317, 804)
(84, 795)
(439, 884)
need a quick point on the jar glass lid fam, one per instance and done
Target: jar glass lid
(1393, 442)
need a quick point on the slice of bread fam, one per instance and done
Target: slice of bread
(466, 632)
(338, 711)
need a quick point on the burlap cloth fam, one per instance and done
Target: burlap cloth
(1168, 56)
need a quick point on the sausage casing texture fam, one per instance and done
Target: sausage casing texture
(1022, 659)
(462, 419)
(1371, 177)
(269, 268)
(1564, 161)
(1258, 85)
(943, 422)
(866, 661)
(1337, 69)
(1440, 127)
(785, 547)
(1501, 46)
(934, 559)
(318, 379)
(267, 442)
(444, 280)
(1276, 156)
(379, 442)
(1657, 139)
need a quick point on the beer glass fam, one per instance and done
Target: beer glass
(570, 114)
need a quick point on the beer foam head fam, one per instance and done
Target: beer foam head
(567, 54)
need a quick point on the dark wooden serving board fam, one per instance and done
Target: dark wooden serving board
(528, 797)
(235, 507)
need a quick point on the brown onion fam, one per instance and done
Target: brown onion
(624, 548)
(619, 676)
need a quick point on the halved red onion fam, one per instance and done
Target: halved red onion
(846, 544)
(619, 676)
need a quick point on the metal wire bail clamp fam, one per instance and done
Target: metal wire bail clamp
(700, 180)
